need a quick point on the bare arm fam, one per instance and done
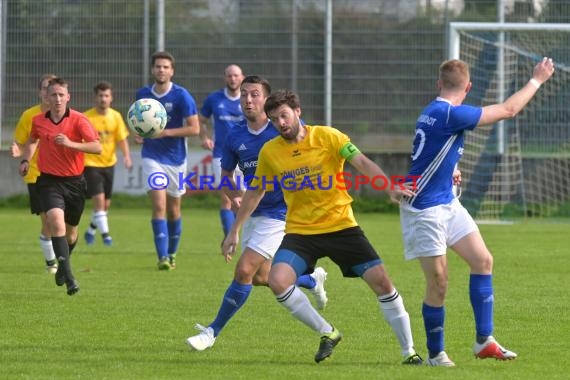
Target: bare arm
(232, 191)
(517, 101)
(192, 128)
(249, 203)
(16, 149)
(93, 147)
(124, 147)
(27, 153)
(370, 169)
(207, 142)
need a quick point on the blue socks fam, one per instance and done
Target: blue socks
(227, 217)
(234, 297)
(434, 318)
(166, 236)
(174, 232)
(306, 281)
(482, 301)
(160, 231)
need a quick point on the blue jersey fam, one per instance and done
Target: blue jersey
(226, 112)
(179, 105)
(438, 146)
(242, 148)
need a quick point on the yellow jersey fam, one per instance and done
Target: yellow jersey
(308, 173)
(21, 135)
(112, 129)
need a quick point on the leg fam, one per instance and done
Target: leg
(45, 233)
(108, 175)
(282, 278)
(64, 275)
(95, 180)
(89, 235)
(99, 220)
(433, 309)
(46, 245)
(473, 250)
(392, 307)
(261, 276)
(249, 264)
(159, 227)
(174, 226)
(227, 216)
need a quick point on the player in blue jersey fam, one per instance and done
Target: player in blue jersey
(264, 231)
(167, 153)
(223, 107)
(433, 219)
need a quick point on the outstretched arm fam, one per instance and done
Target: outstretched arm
(517, 101)
(370, 169)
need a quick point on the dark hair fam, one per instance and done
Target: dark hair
(58, 81)
(280, 97)
(162, 55)
(44, 77)
(255, 79)
(102, 86)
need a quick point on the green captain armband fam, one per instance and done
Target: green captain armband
(349, 150)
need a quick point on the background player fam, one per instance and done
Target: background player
(167, 153)
(100, 168)
(223, 107)
(21, 135)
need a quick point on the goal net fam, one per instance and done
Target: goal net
(518, 167)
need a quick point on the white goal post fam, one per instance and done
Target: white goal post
(518, 167)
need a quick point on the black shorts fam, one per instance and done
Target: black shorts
(99, 180)
(66, 193)
(35, 201)
(348, 248)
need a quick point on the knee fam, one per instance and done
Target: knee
(487, 263)
(437, 288)
(482, 264)
(277, 282)
(242, 275)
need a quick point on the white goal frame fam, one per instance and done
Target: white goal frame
(455, 30)
(454, 46)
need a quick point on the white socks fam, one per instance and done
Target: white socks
(392, 306)
(47, 248)
(294, 300)
(100, 220)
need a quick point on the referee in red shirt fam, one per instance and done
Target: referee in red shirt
(65, 135)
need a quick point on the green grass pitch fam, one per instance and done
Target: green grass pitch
(130, 321)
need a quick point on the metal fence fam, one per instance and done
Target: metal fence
(384, 53)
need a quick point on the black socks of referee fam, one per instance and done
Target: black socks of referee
(62, 250)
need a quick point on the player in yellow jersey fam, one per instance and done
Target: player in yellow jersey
(100, 169)
(21, 135)
(306, 162)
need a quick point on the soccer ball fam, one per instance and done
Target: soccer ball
(147, 117)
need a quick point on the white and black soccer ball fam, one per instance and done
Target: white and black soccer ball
(147, 117)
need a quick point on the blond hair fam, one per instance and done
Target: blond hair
(454, 74)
